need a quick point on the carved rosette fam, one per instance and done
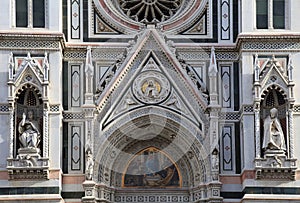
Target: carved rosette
(151, 87)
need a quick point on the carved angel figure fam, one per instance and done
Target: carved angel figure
(273, 134)
(29, 133)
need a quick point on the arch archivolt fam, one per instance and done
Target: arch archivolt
(151, 128)
(276, 87)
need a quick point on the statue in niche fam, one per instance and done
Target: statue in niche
(89, 165)
(273, 134)
(29, 132)
(215, 160)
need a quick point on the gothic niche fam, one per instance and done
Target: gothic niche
(273, 120)
(28, 88)
(29, 121)
(151, 168)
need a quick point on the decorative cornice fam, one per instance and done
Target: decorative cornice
(271, 41)
(32, 40)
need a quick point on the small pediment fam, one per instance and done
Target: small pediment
(273, 71)
(269, 64)
(29, 70)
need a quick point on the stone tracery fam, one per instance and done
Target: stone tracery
(150, 11)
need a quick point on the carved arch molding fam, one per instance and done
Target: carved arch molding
(171, 154)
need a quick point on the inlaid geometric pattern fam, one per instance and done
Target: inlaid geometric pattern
(4, 108)
(73, 115)
(54, 108)
(225, 19)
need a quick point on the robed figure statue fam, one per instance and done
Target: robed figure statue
(29, 132)
(273, 134)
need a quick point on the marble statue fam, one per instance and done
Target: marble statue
(273, 134)
(89, 165)
(29, 132)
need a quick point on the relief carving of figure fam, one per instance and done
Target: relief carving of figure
(151, 89)
(273, 134)
(29, 132)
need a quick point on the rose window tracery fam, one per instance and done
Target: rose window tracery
(150, 11)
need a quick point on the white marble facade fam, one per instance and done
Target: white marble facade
(149, 101)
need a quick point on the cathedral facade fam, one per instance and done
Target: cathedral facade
(140, 101)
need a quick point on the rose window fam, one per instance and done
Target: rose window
(149, 11)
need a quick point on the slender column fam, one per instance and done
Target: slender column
(11, 130)
(270, 14)
(45, 130)
(30, 14)
(257, 130)
(291, 132)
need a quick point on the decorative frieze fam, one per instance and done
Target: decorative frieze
(270, 45)
(230, 116)
(193, 55)
(167, 198)
(97, 54)
(29, 44)
(73, 115)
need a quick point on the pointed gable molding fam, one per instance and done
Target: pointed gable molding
(151, 40)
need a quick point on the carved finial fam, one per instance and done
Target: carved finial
(89, 73)
(212, 66)
(256, 68)
(46, 66)
(89, 68)
(11, 66)
(290, 68)
(273, 57)
(28, 55)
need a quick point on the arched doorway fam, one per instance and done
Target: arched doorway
(155, 156)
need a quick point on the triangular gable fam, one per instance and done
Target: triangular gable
(150, 59)
(273, 73)
(172, 100)
(29, 70)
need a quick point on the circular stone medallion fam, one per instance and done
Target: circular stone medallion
(151, 87)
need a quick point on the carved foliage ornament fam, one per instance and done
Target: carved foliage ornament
(151, 87)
